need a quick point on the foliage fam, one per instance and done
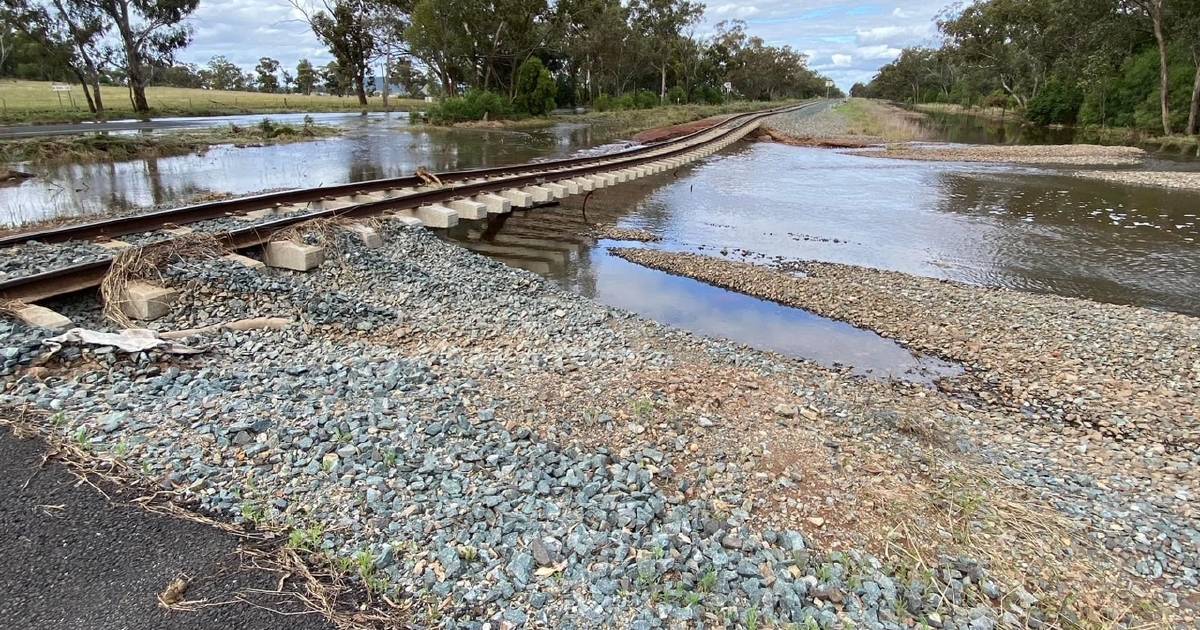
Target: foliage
(1032, 55)
(267, 71)
(306, 77)
(476, 105)
(1057, 103)
(535, 89)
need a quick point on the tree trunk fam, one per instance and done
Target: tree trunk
(387, 68)
(97, 98)
(662, 97)
(360, 87)
(1156, 15)
(83, 83)
(1193, 126)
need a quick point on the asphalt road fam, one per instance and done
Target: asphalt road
(73, 560)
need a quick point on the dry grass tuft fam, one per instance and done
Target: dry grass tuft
(10, 307)
(144, 263)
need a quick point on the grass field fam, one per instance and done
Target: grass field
(34, 102)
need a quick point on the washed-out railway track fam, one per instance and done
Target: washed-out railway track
(475, 193)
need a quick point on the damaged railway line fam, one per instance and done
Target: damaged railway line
(436, 201)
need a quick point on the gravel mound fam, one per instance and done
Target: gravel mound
(484, 448)
(1066, 154)
(1163, 179)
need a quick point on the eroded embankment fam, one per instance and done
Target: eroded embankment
(477, 445)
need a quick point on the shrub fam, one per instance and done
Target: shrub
(710, 95)
(1057, 104)
(645, 99)
(677, 95)
(535, 89)
(603, 103)
(476, 105)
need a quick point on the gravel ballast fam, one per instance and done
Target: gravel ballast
(1057, 154)
(481, 447)
(1178, 180)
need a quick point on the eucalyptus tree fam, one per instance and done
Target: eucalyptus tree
(661, 22)
(150, 32)
(73, 31)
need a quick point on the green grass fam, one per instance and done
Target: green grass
(117, 147)
(34, 102)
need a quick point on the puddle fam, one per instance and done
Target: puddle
(584, 266)
(714, 312)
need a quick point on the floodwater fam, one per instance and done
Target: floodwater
(1037, 230)
(1032, 229)
(374, 146)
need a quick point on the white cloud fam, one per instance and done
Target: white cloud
(847, 40)
(890, 34)
(734, 10)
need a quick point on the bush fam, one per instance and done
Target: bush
(676, 95)
(603, 103)
(1057, 104)
(535, 89)
(476, 105)
(710, 95)
(645, 99)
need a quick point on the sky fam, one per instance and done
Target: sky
(846, 40)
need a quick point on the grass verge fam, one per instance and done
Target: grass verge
(116, 147)
(877, 119)
(33, 102)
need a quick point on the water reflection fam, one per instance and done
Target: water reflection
(715, 312)
(372, 147)
(1023, 228)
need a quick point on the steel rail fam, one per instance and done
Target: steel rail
(65, 280)
(117, 226)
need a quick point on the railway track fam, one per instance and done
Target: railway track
(471, 194)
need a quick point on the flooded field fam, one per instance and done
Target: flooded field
(1030, 229)
(373, 146)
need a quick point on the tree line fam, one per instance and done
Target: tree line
(1123, 63)
(531, 54)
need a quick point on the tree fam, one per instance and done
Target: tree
(288, 82)
(1154, 11)
(334, 79)
(223, 74)
(347, 28)
(306, 77)
(661, 22)
(267, 70)
(535, 89)
(150, 32)
(73, 29)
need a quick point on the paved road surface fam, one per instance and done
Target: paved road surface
(72, 560)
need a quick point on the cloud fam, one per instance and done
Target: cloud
(848, 40)
(734, 10)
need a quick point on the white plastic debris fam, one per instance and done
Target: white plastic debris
(129, 340)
